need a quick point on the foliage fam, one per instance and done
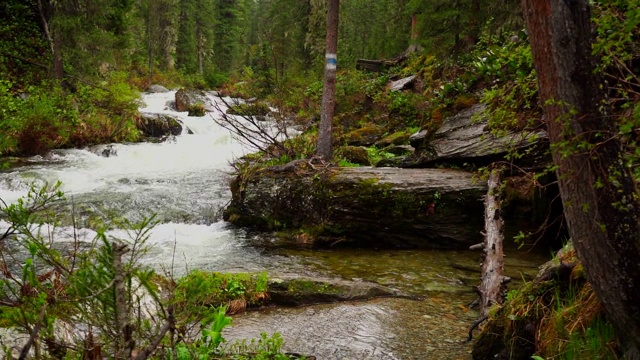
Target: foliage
(197, 109)
(198, 292)
(47, 285)
(47, 116)
(375, 154)
(208, 346)
(211, 344)
(618, 28)
(560, 315)
(507, 64)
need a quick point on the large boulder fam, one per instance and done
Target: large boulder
(159, 125)
(155, 88)
(187, 99)
(464, 138)
(406, 208)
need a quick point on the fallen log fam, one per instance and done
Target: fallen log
(493, 285)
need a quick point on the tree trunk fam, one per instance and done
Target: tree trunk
(124, 344)
(414, 28)
(324, 146)
(597, 189)
(200, 50)
(493, 280)
(55, 43)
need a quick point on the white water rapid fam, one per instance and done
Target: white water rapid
(184, 181)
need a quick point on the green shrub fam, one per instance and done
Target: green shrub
(215, 79)
(201, 291)
(196, 110)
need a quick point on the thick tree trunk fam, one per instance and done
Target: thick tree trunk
(324, 146)
(598, 191)
(493, 280)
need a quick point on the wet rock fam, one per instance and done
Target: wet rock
(187, 98)
(373, 207)
(464, 138)
(155, 88)
(170, 105)
(159, 125)
(396, 161)
(299, 292)
(104, 150)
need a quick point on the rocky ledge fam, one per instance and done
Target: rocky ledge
(373, 207)
(303, 291)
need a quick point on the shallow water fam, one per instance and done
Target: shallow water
(185, 182)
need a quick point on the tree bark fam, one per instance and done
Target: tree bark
(55, 43)
(124, 344)
(493, 266)
(598, 191)
(324, 146)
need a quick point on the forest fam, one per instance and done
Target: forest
(73, 73)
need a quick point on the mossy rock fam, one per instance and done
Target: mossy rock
(397, 138)
(365, 136)
(196, 110)
(364, 206)
(302, 291)
(354, 154)
(186, 98)
(400, 150)
(158, 125)
(259, 109)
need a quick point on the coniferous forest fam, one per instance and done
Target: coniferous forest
(533, 104)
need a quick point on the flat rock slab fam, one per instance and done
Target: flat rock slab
(463, 138)
(364, 206)
(303, 291)
(445, 180)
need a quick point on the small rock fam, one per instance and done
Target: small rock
(104, 150)
(402, 83)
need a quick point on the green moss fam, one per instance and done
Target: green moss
(353, 154)
(199, 292)
(364, 136)
(397, 138)
(197, 110)
(249, 109)
(305, 287)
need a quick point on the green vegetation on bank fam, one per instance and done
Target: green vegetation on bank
(49, 117)
(556, 316)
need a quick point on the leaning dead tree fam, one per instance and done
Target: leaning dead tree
(493, 284)
(268, 135)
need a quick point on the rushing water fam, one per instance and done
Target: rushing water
(185, 182)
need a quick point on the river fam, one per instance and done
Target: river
(185, 182)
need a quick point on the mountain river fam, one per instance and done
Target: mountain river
(185, 182)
